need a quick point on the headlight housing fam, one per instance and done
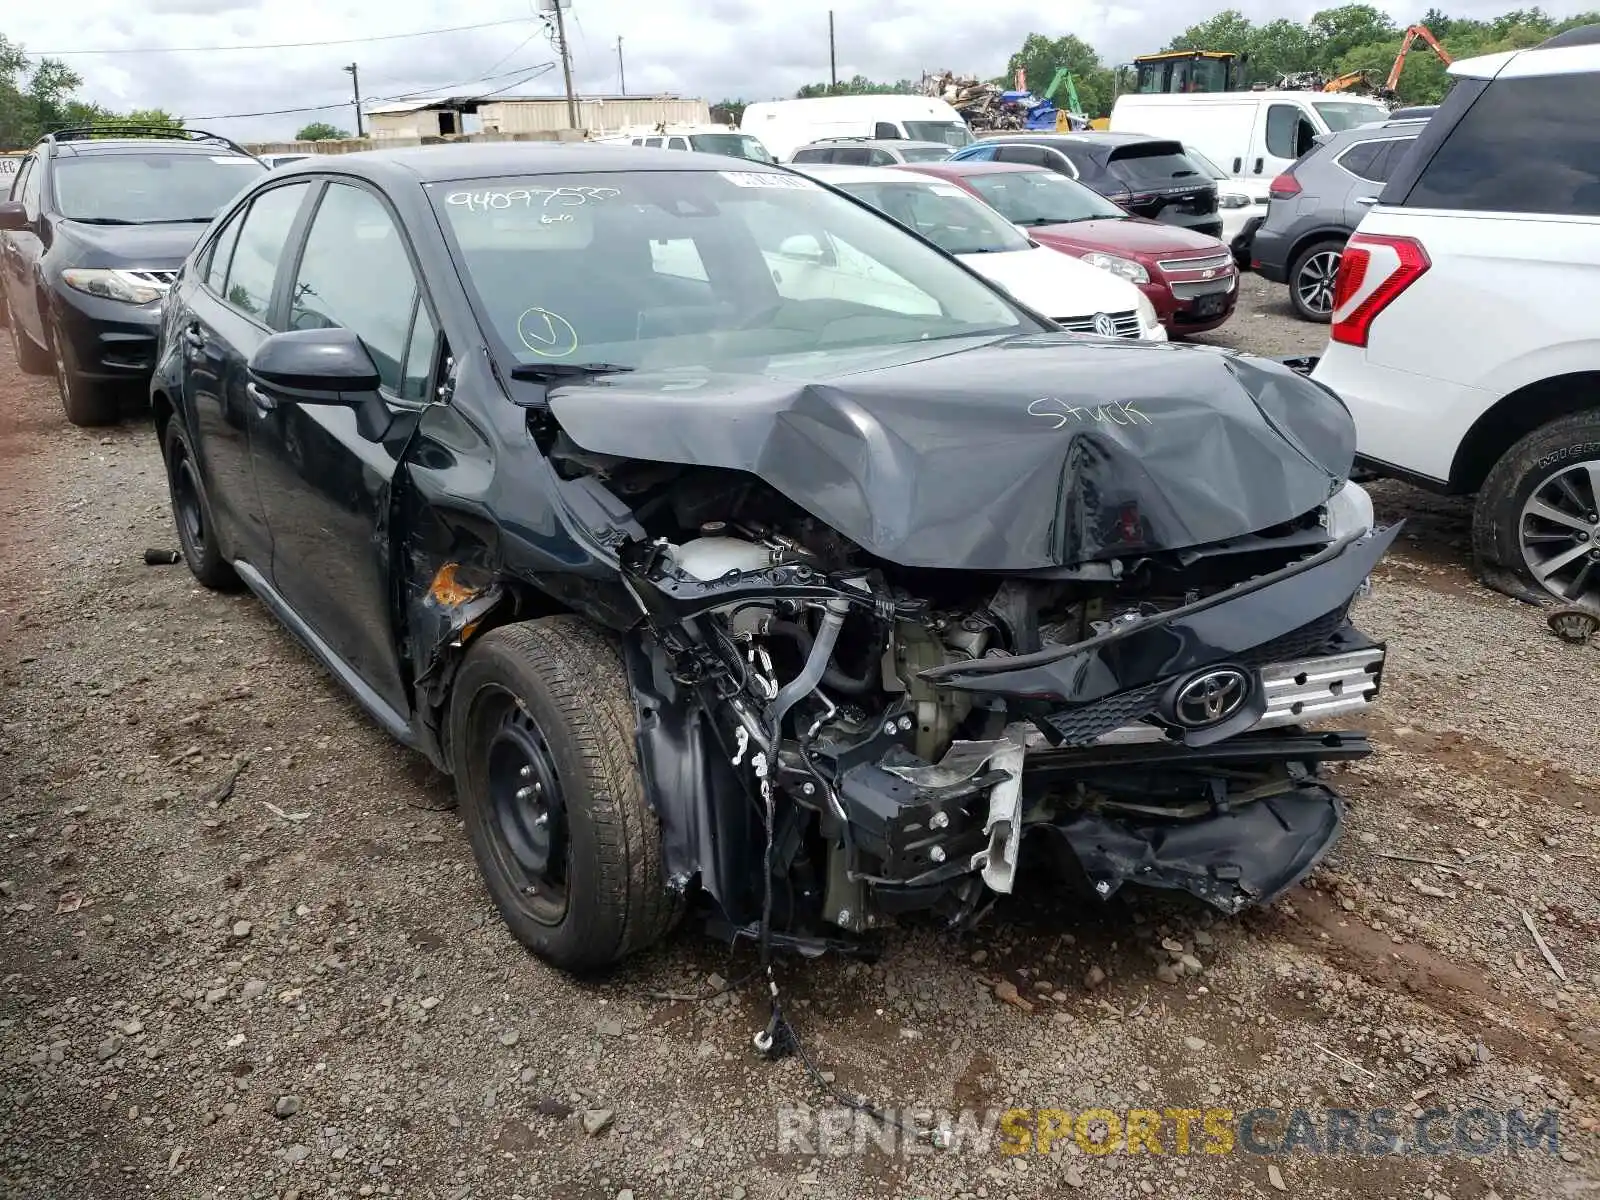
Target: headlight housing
(1349, 511)
(129, 287)
(1232, 200)
(1147, 313)
(1124, 268)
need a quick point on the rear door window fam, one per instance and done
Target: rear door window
(855, 156)
(1154, 165)
(1359, 160)
(1522, 148)
(677, 143)
(812, 155)
(1393, 151)
(881, 158)
(1033, 156)
(254, 266)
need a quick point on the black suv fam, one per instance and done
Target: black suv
(93, 233)
(1150, 177)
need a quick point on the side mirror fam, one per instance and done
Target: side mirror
(805, 247)
(320, 366)
(13, 217)
(315, 366)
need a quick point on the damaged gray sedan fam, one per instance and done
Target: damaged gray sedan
(736, 550)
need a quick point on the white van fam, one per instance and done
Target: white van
(727, 140)
(785, 125)
(1247, 134)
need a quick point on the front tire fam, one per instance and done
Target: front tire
(542, 728)
(191, 512)
(1311, 281)
(1537, 515)
(86, 403)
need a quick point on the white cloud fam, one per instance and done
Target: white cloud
(754, 49)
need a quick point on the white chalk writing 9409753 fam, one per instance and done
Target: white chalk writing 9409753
(492, 200)
(1118, 412)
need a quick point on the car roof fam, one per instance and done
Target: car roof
(486, 160)
(839, 173)
(956, 170)
(892, 143)
(1097, 144)
(136, 145)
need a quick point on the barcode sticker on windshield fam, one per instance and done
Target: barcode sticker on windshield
(768, 179)
(234, 158)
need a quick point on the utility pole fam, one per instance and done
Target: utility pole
(833, 62)
(622, 76)
(566, 62)
(355, 82)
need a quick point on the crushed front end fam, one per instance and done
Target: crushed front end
(906, 734)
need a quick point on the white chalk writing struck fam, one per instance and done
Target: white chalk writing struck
(564, 197)
(1118, 412)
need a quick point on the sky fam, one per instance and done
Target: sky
(715, 49)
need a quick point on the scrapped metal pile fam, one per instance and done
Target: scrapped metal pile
(983, 106)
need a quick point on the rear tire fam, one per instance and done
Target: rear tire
(1311, 281)
(1554, 471)
(542, 728)
(31, 359)
(191, 512)
(86, 403)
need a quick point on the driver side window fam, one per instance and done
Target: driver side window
(355, 274)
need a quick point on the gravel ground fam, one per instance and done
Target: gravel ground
(244, 951)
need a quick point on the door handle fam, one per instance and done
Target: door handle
(1238, 163)
(1259, 163)
(263, 402)
(1366, 201)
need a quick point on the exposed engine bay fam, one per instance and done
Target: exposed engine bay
(901, 732)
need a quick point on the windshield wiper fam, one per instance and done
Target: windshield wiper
(548, 372)
(173, 221)
(102, 221)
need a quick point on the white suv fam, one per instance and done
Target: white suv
(1466, 325)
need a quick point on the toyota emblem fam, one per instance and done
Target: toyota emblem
(1104, 325)
(1211, 698)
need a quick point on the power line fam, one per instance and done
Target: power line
(526, 74)
(385, 37)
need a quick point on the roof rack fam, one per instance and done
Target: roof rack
(83, 133)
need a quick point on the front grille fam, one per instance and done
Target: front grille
(1308, 641)
(1082, 725)
(1126, 323)
(1207, 262)
(1204, 287)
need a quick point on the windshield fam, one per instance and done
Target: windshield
(944, 214)
(1347, 114)
(925, 153)
(1042, 198)
(733, 145)
(700, 268)
(951, 133)
(149, 188)
(1153, 165)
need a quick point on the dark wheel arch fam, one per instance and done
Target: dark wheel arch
(1513, 417)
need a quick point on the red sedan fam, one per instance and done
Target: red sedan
(1189, 277)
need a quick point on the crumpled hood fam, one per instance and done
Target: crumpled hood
(1018, 454)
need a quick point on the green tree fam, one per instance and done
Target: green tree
(1283, 47)
(1228, 30)
(320, 131)
(729, 112)
(856, 85)
(151, 118)
(33, 99)
(1341, 30)
(1041, 57)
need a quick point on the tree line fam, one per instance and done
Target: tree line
(1352, 37)
(39, 98)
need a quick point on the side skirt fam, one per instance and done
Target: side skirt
(396, 725)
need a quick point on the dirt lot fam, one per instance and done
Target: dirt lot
(296, 988)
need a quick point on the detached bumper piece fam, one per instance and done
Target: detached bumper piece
(1232, 860)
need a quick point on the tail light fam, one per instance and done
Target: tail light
(1373, 271)
(1284, 186)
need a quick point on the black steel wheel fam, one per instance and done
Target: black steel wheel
(85, 402)
(541, 735)
(191, 512)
